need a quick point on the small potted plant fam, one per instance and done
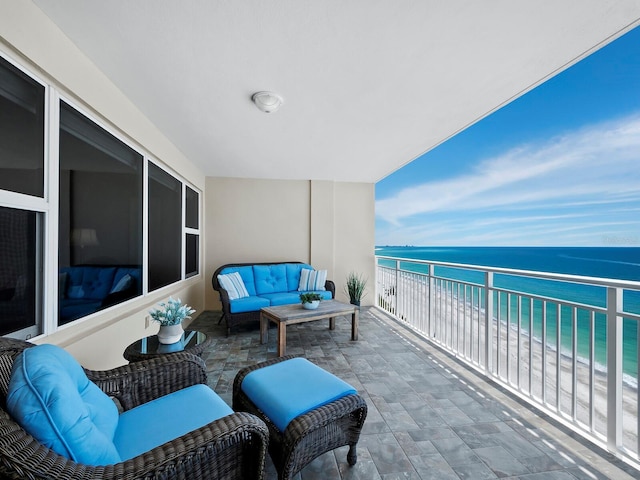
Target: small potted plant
(354, 288)
(170, 316)
(310, 300)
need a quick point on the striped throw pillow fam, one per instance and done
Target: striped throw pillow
(233, 284)
(312, 280)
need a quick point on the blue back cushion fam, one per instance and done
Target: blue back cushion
(92, 283)
(51, 397)
(291, 388)
(246, 273)
(293, 275)
(133, 272)
(270, 278)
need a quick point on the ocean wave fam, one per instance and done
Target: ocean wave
(599, 260)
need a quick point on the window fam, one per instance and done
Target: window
(165, 228)
(20, 257)
(192, 233)
(99, 196)
(100, 218)
(21, 132)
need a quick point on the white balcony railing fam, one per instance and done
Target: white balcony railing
(567, 344)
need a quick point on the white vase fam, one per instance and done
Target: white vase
(311, 305)
(169, 334)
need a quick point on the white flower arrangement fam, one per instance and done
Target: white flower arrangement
(173, 312)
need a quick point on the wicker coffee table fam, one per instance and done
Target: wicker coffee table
(290, 314)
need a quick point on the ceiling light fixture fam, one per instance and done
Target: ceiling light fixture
(268, 102)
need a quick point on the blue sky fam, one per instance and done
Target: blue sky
(558, 166)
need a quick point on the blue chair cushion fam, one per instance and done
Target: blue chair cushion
(51, 397)
(166, 418)
(291, 388)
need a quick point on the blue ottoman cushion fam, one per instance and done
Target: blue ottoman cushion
(291, 388)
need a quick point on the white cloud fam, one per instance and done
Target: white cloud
(595, 165)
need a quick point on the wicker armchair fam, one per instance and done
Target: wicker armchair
(233, 447)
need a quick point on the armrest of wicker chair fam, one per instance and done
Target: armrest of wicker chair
(233, 447)
(141, 382)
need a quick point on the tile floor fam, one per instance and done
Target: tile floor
(429, 417)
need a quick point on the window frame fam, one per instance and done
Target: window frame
(47, 206)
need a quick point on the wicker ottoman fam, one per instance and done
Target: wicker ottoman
(310, 434)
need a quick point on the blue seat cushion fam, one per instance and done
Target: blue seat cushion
(51, 397)
(284, 298)
(291, 388)
(289, 298)
(247, 304)
(166, 418)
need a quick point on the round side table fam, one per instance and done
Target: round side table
(192, 341)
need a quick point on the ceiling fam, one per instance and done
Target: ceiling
(368, 85)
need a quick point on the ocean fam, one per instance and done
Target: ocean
(622, 263)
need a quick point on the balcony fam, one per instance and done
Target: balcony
(430, 415)
(566, 344)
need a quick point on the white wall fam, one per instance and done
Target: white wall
(31, 40)
(328, 224)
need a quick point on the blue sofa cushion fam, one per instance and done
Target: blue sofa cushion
(288, 298)
(248, 304)
(283, 298)
(246, 273)
(124, 283)
(293, 275)
(233, 284)
(94, 282)
(166, 418)
(51, 397)
(291, 388)
(270, 278)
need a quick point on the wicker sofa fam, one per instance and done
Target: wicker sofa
(268, 284)
(233, 447)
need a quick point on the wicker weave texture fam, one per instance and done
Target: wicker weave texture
(310, 435)
(233, 447)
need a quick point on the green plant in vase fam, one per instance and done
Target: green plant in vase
(354, 288)
(310, 300)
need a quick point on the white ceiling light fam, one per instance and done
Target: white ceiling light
(268, 102)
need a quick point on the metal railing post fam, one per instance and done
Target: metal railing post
(431, 282)
(488, 319)
(614, 368)
(395, 290)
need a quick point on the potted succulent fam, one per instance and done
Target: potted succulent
(170, 316)
(354, 288)
(310, 300)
